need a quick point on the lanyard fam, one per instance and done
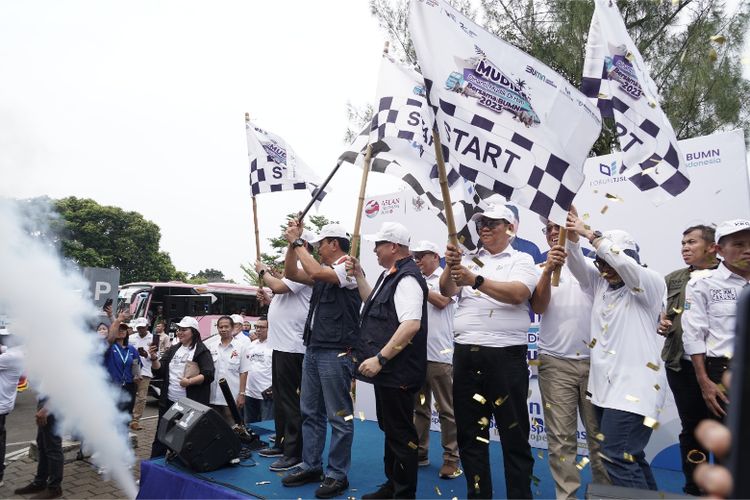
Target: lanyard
(124, 361)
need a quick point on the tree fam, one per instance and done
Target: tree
(693, 49)
(208, 276)
(94, 235)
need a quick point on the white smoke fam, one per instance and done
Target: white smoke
(50, 314)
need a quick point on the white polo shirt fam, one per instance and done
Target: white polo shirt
(623, 322)
(710, 311)
(177, 370)
(287, 314)
(11, 368)
(439, 324)
(565, 327)
(482, 320)
(145, 342)
(229, 363)
(258, 357)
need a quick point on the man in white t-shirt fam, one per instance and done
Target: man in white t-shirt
(11, 366)
(564, 335)
(627, 381)
(141, 340)
(237, 334)
(439, 379)
(490, 370)
(228, 352)
(258, 391)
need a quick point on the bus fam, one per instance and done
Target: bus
(206, 302)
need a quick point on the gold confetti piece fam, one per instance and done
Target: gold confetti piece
(547, 405)
(587, 227)
(721, 387)
(720, 39)
(562, 459)
(514, 424)
(348, 418)
(653, 366)
(341, 354)
(501, 400)
(745, 60)
(362, 416)
(638, 290)
(602, 96)
(657, 387)
(341, 413)
(484, 422)
(412, 445)
(604, 209)
(483, 440)
(474, 349)
(611, 352)
(682, 57)
(712, 55)
(629, 56)
(615, 249)
(632, 399)
(696, 457)
(478, 262)
(261, 483)
(540, 454)
(491, 311)
(599, 437)
(651, 422)
(605, 327)
(627, 456)
(446, 351)
(653, 105)
(422, 399)
(677, 310)
(583, 463)
(675, 3)
(534, 362)
(535, 480)
(510, 233)
(585, 216)
(437, 490)
(479, 398)
(398, 347)
(592, 343)
(613, 197)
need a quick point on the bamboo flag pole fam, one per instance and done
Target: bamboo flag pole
(561, 238)
(255, 212)
(443, 178)
(354, 250)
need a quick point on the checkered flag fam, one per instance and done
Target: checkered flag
(275, 167)
(615, 78)
(508, 124)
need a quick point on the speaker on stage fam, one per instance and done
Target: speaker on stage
(198, 435)
(607, 491)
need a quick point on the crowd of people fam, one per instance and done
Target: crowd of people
(614, 337)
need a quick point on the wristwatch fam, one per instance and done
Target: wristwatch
(382, 359)
(298, 243)
(478, 282)
(262, 272)
(595, 235)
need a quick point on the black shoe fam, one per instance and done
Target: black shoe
(332, 487)
(51, 492)
(384, 491)
(31, 488)
(300, 476)
(284, 463)
(270, 451)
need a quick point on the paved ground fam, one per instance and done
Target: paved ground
(80, 477)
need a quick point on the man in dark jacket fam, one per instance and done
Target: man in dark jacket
(393, 353)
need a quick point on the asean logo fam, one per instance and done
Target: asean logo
(372, 208)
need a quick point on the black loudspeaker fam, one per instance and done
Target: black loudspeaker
(607, 491)
(198, 435)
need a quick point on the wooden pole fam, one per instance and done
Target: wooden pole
(255, 213)
(354, 250)
(561, 238)
(443, 178)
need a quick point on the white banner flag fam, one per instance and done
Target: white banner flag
(615, 78)
(274, 166)
(508, 122)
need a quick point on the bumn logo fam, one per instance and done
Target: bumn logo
(372, 208)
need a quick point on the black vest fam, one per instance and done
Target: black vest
(378, 324)
(333, 318)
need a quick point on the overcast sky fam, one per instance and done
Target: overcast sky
(140, 104)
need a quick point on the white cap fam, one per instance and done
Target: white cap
(236, 318)
(140, 322)
(189, 322)
(496, 212)
(426, 246)
(730, 227)
(329, 231)
(622, 240)
(392, 232)
(308, 235)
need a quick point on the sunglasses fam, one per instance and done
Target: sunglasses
(601, 264)
(420, 255)
(490, 223)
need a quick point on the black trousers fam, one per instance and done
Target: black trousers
(395, 411)
(49, 469)
(3, 437)
(286, 380)
(492, 381)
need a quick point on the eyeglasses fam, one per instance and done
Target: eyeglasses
(550, 228)
(258, 327)
(490, 223)
(420, 255)
(601, 264)
(383, 242)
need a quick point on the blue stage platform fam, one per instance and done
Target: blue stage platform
(253, 479)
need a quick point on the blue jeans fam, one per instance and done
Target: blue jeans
(257, 410)
(325, 395)
(624, 433)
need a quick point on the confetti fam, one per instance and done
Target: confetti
(474, 349)
(675, 3)
(653, 366)
(613, 197)
(638, 290)
(604, 209)
(341, 354)
(437, 490)
(422, 399)
(514, 424)
(362, 416)
(615, 249)
(261, 483)
(491, 311)
(535, 480)
(653, 105)
(341, 413)
(510, 233)
(534, 362)
(592, 343)
(651, 422)
(696, 457)
(745, 60)
(583, 463)
(412, 445)
(479, 398)
(632, 399)
(627, 456)
(484, 422)
(501, 400)
(712, 55)
(540, 454)
(398, 347)
(547, 405)
(483, 440)
(657, 387)
(720, 39)
(602, 96)
(446, 351)
(612, 352)
(682, 57)
(348, 418)
(476, 482)
(585, 216)
(599, 437)
(677, 310)
(587, 227)
(478, 262)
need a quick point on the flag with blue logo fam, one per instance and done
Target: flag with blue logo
(616, 80)
(275, 167)
(507, 122)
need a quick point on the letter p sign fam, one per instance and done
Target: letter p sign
(101, 288)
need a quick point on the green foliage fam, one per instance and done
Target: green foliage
(208, 276)
(94, 235)
(700, 80)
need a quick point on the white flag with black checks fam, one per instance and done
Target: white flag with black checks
(616, 80)
(507, 122)
(275, 167)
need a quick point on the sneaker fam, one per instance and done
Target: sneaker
(31, 488)
(384, 491)
(284, 463)
(450, 470)
(271, 451)
(300, 476)
(332, 487)
(423, 461)
(51, 492)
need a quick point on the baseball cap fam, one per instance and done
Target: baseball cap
(188, 322)
(623, 241)
(426, 246)
(496, 212)
(392, 232)
(308, 235)
(140, 322)
(236, 318)
(329, 231)
(730, 227)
